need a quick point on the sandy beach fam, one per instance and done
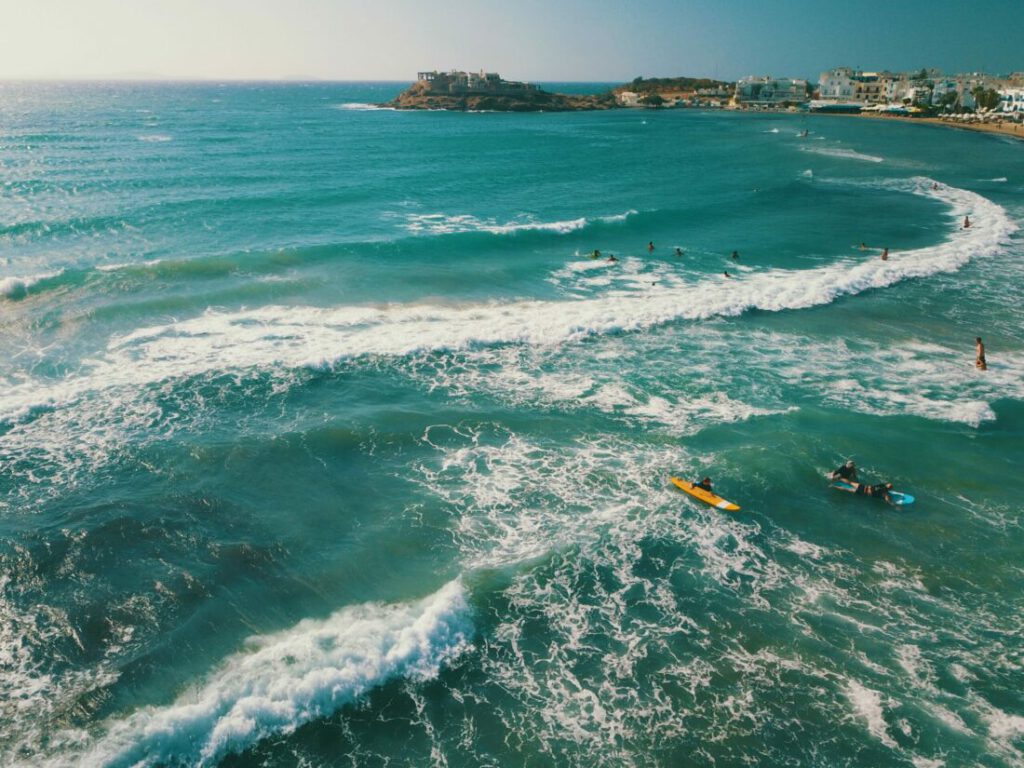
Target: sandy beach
(1014, 129)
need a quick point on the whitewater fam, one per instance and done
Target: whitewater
(324, 439)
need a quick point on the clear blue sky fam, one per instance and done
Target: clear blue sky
(596, 40)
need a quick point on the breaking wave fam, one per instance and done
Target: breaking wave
(283, 680)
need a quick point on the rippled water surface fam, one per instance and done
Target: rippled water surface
(323, 440)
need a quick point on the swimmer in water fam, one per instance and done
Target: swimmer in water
(885, 254)
(979, 361)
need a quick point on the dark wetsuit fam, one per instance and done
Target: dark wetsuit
(881, 491)
(849, 474)
(703, 486)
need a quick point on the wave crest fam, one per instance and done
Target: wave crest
(289, 678)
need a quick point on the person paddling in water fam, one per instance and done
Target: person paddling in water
(679, 251)
(704, 485)
(878, 491)
(650, 246)
(735, 255)
(726, 273)
(885, 254)
(967, 222)
(979, 361)
(847, 472)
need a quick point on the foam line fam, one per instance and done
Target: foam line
(276, 337)
(443, 224)
(283, 680)
(846, 154)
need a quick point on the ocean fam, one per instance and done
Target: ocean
(323, 442)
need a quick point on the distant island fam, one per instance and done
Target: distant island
(487, 92)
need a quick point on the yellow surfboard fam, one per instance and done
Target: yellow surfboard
(706, 496)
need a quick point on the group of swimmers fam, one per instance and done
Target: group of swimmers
(885, 251)
(596, 254)
(979, 362)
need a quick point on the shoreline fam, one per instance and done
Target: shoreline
(1011, 129)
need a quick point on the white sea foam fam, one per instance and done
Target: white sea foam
(868, 705)
(442, 224)
(618, 216)
(155, 137)
(276, 337)
(129, 265)
(283, 680)
(360, 107)
(33, 687)
(606, 656)
(841, 152)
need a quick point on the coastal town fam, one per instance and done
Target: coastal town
(973, 100)
(844, 89)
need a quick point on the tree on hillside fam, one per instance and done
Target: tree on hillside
(652, 100)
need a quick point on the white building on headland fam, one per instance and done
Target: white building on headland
(770, 91)
(456, 82)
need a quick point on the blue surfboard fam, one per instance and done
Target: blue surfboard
(899, 498)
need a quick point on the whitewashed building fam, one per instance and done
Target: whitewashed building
(836, 84)
(1012, 100)
(770, 91)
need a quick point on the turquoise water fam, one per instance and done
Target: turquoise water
(322, 441)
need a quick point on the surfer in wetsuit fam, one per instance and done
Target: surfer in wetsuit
(880, 491)
(847, 472)
(967, 222)
(704, 484)
(885, 254)
(679, 251)
(596, 254)
(979, 361)
(735, 255)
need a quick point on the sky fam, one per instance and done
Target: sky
(535, 40)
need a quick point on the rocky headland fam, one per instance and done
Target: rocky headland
(486, 92)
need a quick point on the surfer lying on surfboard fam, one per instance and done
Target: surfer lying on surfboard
(881, 491)
(704, 484)
(702, 491)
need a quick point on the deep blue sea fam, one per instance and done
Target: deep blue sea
(323, 442)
